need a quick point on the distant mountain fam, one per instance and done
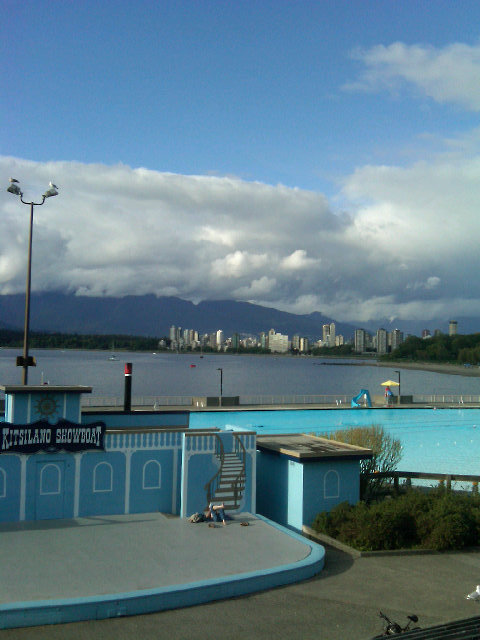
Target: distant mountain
(151, 316)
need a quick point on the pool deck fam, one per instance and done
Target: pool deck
(57, 571)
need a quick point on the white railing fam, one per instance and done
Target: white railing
(336, 400)
(154, 402)
(137, 401)
(343, 401)
(445, 398)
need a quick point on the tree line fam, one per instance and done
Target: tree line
(459, 349)
(11, 338)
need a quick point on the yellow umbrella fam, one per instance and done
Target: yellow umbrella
(390, 383)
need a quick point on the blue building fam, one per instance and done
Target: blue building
(299, 476)
(59, 462)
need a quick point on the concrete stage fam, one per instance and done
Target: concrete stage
(57, 571)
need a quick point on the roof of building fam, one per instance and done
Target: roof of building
(307, 447)
(44, 388)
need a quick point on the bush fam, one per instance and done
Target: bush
(438, 520)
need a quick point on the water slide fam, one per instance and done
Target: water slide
(363, 395)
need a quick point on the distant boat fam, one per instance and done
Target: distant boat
(192, 366)
(112, 356)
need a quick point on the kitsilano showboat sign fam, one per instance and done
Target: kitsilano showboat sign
(43, 436)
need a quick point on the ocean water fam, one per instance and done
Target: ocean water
(433, 440)
(166, 374)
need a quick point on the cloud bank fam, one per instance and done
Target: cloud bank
(408, 248)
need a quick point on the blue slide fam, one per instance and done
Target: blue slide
(363, 395)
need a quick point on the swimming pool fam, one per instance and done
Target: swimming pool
(433, 440)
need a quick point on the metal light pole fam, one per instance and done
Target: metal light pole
(221, 384)
(399, 394)
(26, 361)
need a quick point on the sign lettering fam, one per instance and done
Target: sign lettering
(42, 436)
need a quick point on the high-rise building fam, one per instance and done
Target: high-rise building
(381, 341)
(328, 335)
(452, 328)
(360, 340)
(396, 339)
(277, 343)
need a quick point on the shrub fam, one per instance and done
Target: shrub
(438, 520)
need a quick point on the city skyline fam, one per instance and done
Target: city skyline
(306, 157)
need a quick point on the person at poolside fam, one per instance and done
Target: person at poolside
(217, 512)
(388, 396)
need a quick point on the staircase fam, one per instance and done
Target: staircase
(228, 484)
(231, 484)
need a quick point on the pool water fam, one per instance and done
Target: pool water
(433, 440)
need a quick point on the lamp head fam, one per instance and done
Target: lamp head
(49, 193)
(15, 189)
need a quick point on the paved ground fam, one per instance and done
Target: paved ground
(342, 602)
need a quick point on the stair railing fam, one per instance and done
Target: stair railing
(212, 484)
(239, 482)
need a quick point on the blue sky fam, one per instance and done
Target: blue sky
(274, 145)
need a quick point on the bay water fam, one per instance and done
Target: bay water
(171, 374)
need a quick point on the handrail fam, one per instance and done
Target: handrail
(239, 446)
(448, 478)
(212, 484)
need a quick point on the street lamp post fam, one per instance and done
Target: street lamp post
(399, 394)
(221, 385)
(26, 361)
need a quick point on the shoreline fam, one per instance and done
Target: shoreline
(434, 367)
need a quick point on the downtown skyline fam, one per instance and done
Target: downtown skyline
(314, 157)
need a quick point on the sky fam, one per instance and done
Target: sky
(308, 156)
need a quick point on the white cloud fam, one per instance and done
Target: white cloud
(450, 74)
(298, 260)
(408, 248)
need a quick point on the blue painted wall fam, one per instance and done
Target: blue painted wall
(220, 468)
(9, 488)
(138, 419)
(45, 404)
(102, 484)
(292, 493)
(272, 486)
(328, 484)
(49, 486)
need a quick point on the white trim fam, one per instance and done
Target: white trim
(128, 466)
(76, 495)
(3, 474)
(23, 485)
(176, 479)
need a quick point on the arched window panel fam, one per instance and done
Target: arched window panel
(102, 477)
(152, 475)
(331, 484)
(50, 480)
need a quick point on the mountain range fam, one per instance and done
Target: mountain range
(149, 315)
(153, 316)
